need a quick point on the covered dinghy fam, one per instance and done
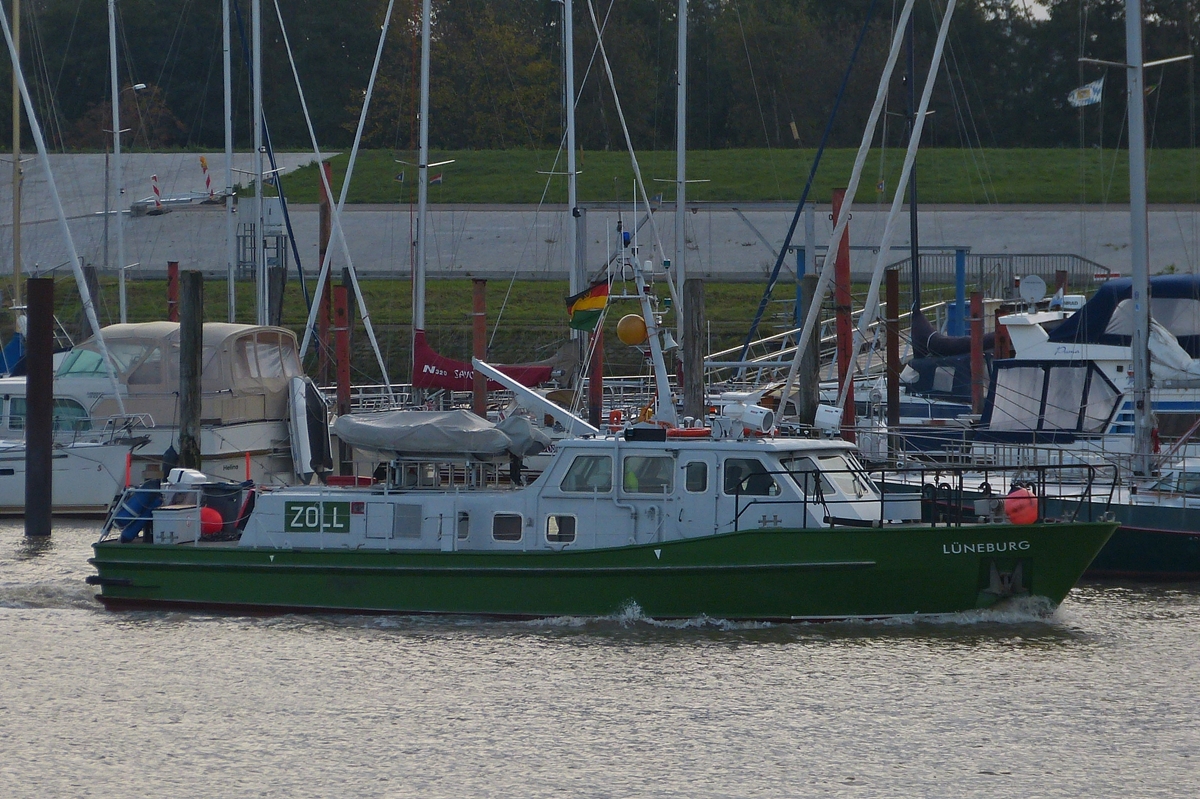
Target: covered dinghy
(1107, 318)
(438, 434)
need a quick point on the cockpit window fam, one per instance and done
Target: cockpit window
(837, 473)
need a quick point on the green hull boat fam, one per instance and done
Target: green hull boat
(776, 574)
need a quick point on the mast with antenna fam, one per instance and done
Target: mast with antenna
(230, 208)
(681, 171)
(575, 272)
(117, 188)
(260, 248)
(418, 278)
(18, 172)
(1139, 239)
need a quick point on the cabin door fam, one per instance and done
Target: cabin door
(648, 488)
(696, 488)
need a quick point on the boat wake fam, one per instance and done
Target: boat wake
(632, 616)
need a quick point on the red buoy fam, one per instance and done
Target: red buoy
(1021, 506)
(211, 522)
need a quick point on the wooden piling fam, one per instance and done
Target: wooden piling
(479, 345)
(325, 312)
(39, 405)
(808, 377)
(596, 379)
(191, 346)
(694, 322)
(341, 335)
(172, 291)
(842, 319)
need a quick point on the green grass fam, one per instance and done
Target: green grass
(533, 325)
(944, 176)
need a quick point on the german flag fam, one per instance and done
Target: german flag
(585, 308)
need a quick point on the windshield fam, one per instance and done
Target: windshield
(838, 473)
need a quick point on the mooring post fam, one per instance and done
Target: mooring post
(694, 318)
(960, 293)
(39, 405)
(892, 325)
(842, 309)
(479, 344)
(808, 376)
(596, 378)
(341, 334)
(325, 314)
(1002, 349)
(172, 291)
(191, 345)
(978, 378)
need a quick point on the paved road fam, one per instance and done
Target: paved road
(493, 241)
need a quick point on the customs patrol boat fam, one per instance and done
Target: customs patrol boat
(714, 517)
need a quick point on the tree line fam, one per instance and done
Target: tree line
(762, 73)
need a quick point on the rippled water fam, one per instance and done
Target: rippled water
(1098, 699)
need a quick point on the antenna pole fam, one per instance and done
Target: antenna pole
(1139, 241)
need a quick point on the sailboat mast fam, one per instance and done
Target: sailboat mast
(116, 144)
(914, 249)
(230, 237)
(681, 167)
(260, 253)
(422, 182)
(1139, 240)
(18, 172)
(575, 273)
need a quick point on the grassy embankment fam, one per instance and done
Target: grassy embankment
(534, 321)
(944, 176)
(533, 326)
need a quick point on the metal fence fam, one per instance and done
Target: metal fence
(996, 274)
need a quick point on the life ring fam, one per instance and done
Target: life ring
(689, 432)
(615, 418)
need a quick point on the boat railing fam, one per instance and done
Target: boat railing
(947, 495)
(180, 512)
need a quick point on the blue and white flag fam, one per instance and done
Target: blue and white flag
(1087, 95)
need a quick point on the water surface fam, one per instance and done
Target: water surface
(1096, 699)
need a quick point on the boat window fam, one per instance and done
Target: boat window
(464, 525)
(838, 473)
(590, 473)
(69, 415)
(16, 413)
(805, 472)
(149, 372)
(245, 365)
(1064, 397)
(507, 526)
(88, 363)
(1018, 398)
(560, 528)
(1189, 483)
(270, 359)
(81, 363)
(291, 358)
(648, 474)
(1102, 399)
(748, 477)
(696, 479)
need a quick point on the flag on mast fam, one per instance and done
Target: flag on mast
(1087, 95)
(586, 307)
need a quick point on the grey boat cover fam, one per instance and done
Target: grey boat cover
(439, 434)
